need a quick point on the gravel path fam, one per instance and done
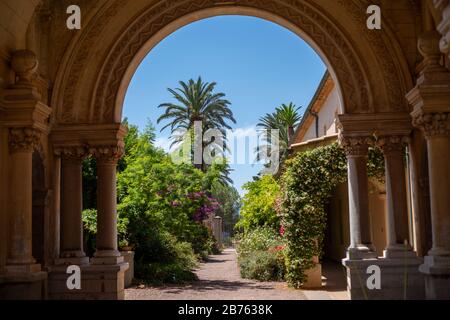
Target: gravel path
(219, 279)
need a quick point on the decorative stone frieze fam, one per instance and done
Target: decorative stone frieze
(391, 144)
(23, 139)
(355, 146)
(74, 153)
(107, 154)
(432, 124)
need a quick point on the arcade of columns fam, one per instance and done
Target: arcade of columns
(28, 122)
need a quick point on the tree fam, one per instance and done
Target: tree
(259, 204)
(285, 119)
(196, 101)
(229, 205)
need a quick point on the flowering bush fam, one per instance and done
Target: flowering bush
(261, 254)
(307, 183)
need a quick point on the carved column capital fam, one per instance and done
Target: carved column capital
(107, 154)
(355, 146)
(72, 153)
(23, 139)
(393, 143)
(432, 124)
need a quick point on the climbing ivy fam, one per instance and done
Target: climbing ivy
(307, 183)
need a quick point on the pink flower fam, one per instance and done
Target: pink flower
(282, 230)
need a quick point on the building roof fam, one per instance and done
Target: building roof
(323, 91)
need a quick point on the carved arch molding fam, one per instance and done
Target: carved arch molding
(102, 104)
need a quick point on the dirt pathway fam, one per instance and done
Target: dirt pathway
(219, 279)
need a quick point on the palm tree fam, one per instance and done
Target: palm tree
(285, 119)
(196, 101)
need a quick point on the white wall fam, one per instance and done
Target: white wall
(327, 115)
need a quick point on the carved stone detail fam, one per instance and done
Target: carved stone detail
(331, 40)
(72, 153)
(25, 65)
(355, 146)
(107, 154)
(23, 139)
(432, 124)
(382, 49)
(391, 144)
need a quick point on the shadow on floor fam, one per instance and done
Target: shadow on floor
(334, 277)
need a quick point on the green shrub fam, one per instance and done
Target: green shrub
(262, 266)
(307, 183)
(258, 204)
(261, 255)
(259, 239)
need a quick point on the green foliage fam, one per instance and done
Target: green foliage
(164, 204)
(196, 101)
(307, 183)
(258, 204)
(260, 255)
(262, 266)
(229, 205)
(285, 119)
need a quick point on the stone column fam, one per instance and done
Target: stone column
(356, 149)
(22, 143)
(436, 128)
(72, 205)
(106, 239)
(393, 148)
(431, 101)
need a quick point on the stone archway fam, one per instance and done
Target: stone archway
(367, 66)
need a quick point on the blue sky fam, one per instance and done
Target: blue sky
(256, 63)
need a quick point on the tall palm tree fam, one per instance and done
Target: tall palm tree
(285, 119)
(197, 101)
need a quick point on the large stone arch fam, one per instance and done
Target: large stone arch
(368, 66)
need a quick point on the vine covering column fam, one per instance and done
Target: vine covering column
(106, 240)
(356, 149)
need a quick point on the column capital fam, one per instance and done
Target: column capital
(432, 123)
(107, 154)
(75, 153)
(23, 139)
(355, 145)
(392, 143)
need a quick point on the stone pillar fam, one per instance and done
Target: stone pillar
(397, 225)
(72, 251)
(23, 142)
(356, 149)
(106, 239)
(26, 118)
(431, 101)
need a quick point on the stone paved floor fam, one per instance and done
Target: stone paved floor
(219, 279)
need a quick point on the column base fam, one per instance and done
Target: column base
(79, 261)
(24, 286)
(436, 270)
(399, 251)
(13, 269)
(361, 252)
(107, 257)
(128, 257)
(399, 279)
(98, 282)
